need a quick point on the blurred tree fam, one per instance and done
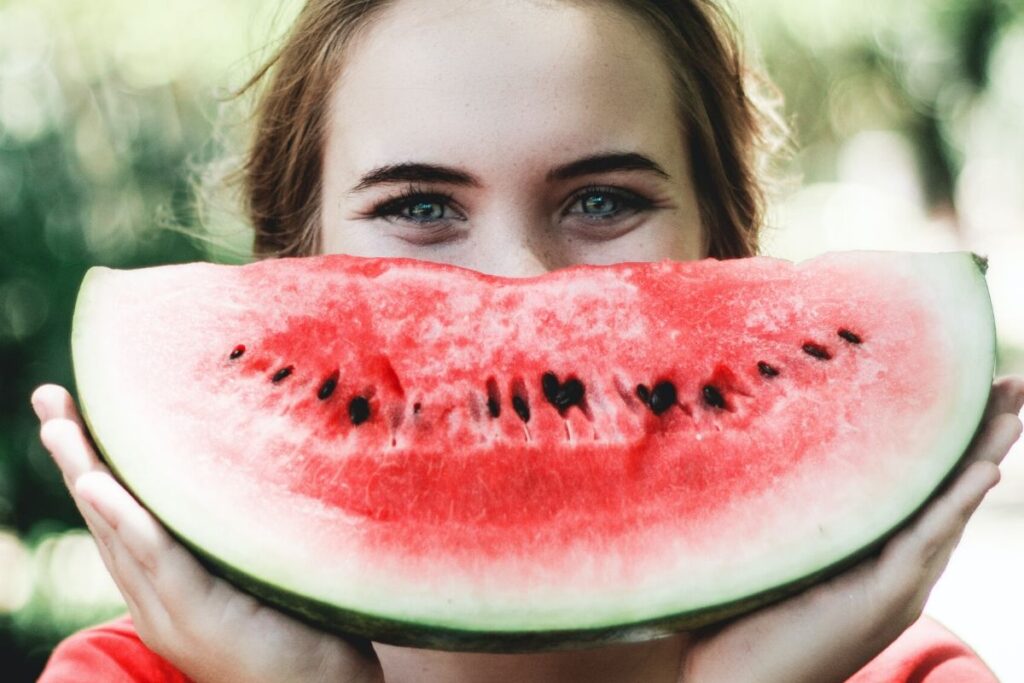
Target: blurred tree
(91, 153)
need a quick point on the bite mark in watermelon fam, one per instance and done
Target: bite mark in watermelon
(430, 456)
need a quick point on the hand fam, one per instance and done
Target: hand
(200, 623)
(830, 631)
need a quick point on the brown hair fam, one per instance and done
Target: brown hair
(731, 129)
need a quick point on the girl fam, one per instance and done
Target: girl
(512, 137)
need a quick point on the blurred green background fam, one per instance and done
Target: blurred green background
(909, 132)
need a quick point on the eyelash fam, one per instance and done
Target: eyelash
(629, 202)
(391, 208)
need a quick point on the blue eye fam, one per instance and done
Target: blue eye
(604, 203)
(417, 207)
(426, 211)
(599, 204)
(596, 204)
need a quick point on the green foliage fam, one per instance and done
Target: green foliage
(104, 118)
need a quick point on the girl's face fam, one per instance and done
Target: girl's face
(508, 137)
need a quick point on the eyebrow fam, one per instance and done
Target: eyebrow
(415, 172)
(420, 172)
(605, 163)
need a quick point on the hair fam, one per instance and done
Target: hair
(728, 110)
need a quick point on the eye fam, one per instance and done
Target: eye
(606, 203)
(417, 207)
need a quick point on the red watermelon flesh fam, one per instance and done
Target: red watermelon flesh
(427, 455)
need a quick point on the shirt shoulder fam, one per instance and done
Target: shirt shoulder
(926, 653)
(110, 652)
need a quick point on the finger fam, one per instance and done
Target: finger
(912, 561)
(63, 434)
(51, 401)
(928, 542)
(102, 536)
(177, 577)
(133, 579)
(141, 535)
(74, 456)
(1007, 396)
(995, 440)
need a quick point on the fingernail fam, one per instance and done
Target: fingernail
(38, 408)
(46, 438)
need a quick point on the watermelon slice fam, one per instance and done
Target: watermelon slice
(429, 456)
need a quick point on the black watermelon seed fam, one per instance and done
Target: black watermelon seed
(570, 394)
(643, 393)
(237, 352)
(359, 410)
(817, 350)
(493, 407)
(493, 398)
(851, 337)
(282, 373)
(521, 407)
(416, 408)
(767, 370)
(713, 397)
(550, 385)
(561, 395)
(663, 397)
(327, 388)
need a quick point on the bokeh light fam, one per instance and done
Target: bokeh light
(16, 569)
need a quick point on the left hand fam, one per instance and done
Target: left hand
(832, 630)
(208, 629)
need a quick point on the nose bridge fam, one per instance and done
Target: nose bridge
(514, 244)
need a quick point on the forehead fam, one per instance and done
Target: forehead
(474, 79)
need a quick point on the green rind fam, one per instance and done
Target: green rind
(414, 634)
(81, 313)
(417, 634)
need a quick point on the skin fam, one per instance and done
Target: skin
(508, 104)
(490, 89)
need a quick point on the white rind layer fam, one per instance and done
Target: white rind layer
(328, 570)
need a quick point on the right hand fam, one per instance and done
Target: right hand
(831, 630)
(201, 624)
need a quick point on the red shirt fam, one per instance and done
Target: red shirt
(113, 653)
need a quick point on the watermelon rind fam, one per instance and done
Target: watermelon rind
(375, 612)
